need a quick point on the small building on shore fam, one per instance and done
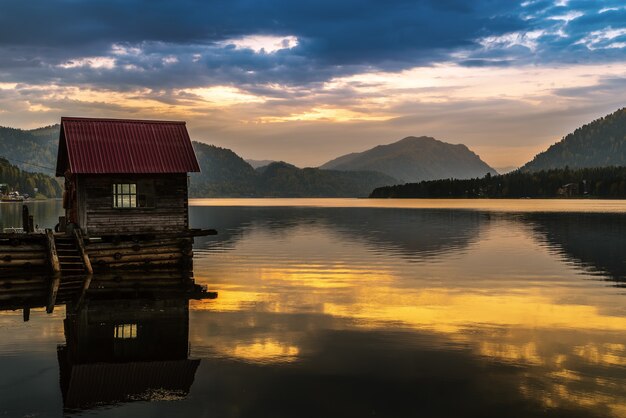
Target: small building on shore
(125, 177)
(568, 190)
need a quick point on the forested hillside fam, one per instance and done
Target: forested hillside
(225, 174)
(34, 150)
(600, 143)
(26, 182)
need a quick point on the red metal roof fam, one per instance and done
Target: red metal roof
(104, 383)
(102, 146)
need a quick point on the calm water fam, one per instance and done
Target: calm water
(351, 308)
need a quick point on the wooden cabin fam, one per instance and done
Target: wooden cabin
(125, 177)
(125, 200)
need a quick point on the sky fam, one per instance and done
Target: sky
(306, 81)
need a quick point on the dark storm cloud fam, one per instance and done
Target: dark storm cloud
(335, 37)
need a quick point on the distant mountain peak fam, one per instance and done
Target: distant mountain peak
(413, 159)
(224, 173)
(259, 163)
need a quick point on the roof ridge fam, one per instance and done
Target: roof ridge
(105, 146)
(155, 121)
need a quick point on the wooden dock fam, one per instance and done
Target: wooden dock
(40, 291)
(71, 254)
(65, 266)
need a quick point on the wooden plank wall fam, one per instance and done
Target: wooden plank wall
(169, 214)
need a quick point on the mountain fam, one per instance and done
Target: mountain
(505, 170)
(225, 174)
(415, 159)
(259, 163)
(285, 180)
(34, 150)
(600, 143)
(26, 182)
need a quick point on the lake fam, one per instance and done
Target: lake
(350, 308)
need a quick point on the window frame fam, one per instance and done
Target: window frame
(119, 192)
(125, 331)
(144, 195)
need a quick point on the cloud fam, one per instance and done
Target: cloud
(239, 42)
(262, 43)
(255, 75)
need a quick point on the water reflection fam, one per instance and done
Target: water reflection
(45, 213)
(344, 369)
(125, 350)
(406, 232)
(595, 242)
(513, 310)
(342, 312)
(126, 339)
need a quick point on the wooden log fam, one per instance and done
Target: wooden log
(136, 258)
(34, 271)
(56, 272)
(162, 274)
(17, 256)
(39, 289)
(25, 218)
(52, 252)
(124, 284)
(83, 291)
(6, 248)
(129, 251)
(23, 263)
(17, 291)
(144, 265)
(83, 253)
(166, 242)
(22, 278)
(52, 294)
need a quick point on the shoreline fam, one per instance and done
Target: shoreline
(482, 204)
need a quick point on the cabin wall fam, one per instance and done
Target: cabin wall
(98, 217)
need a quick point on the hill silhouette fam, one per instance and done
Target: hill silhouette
(414, 159)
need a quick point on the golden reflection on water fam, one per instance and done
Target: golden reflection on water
(496, 205)
(505, 297)
(265, 350)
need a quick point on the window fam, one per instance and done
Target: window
(125, 195)
(125, 331)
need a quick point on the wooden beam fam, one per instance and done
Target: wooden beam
(26, 314)
(52, 252)
(81, 250)
(52, 294)
(83, 292)
(25, 218)
(56, 271)
(88, 268)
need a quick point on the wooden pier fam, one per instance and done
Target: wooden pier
(27, 292)
(62, 266)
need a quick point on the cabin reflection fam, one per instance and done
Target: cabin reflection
(125, 350)
(126, 337)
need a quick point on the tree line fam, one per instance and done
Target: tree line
(26, 182)
(604, 182)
